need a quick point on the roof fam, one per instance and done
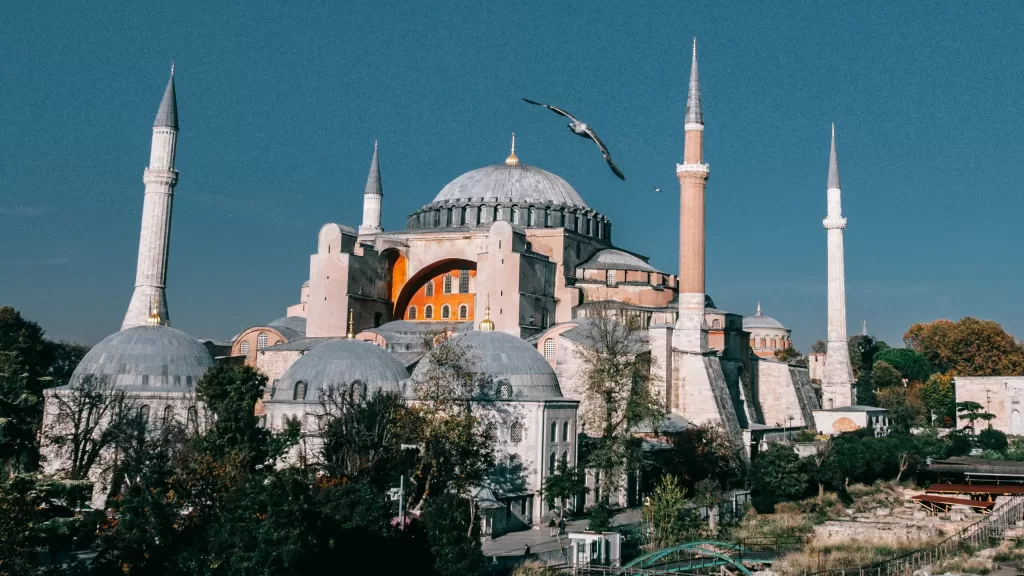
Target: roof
(167, 114)
(977, 466)
(588, 327)
(418, 328)
(975, 489)
(519, 183)
(673, 423)
(694, 111)
(508, 358)
(373, 185)
(147, 358)
(760, 321)
(300, 345)
(833, 163)
(611, 259)
(341, 361)
(933, 499)
(293, 323)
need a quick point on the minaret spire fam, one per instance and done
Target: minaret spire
(758, 309)
(373, 196)
(694, 112)
(837, 382)
(155, 238)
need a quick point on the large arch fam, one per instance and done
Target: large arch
(425, 274)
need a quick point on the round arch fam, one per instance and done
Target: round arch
(425, 274)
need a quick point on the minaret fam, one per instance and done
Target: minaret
(154, 241)
(837, 381)
(372, 197)
(690, 334)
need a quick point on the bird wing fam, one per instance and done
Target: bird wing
(554, 109)
(604, 152)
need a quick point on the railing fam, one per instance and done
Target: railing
(981, 532)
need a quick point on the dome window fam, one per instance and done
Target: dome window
(428, 290)
(547, 217)
(446, 312)
(244, 348)
(262, 340)
(499, 213)
(609, 278)
(300, 391)
(515, 215)
(412, 312)
(144, 413)
(447, 284)
(357, 392)
(515, 433)
(428, 312)
(504, 390)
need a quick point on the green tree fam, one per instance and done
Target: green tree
(563, 486)
(790, 355)
(824, 470)
(363, 438)
(910, 364)
(885, 376)
(705, 451)
(940, 399)
(862, 353)
(23, 348)
(454, 545)
(992, 439)
(972, 412)
(967, 347)
(865, 390)
(819, 347)
(776, 475)
(903, 414)
(664, 514)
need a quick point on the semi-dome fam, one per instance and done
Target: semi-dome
(152, 357)
(296, 323)
(611, 259)
(506, 359)
(761, 322)
(340, 362)
(518, 182)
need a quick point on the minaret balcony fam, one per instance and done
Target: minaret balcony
(694, 168)
(834, 223)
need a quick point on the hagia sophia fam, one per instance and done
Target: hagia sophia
(514, 263)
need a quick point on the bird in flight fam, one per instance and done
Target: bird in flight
(581, 129)
(656, 189)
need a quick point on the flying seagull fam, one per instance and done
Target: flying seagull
(656, 189)
(580, 129)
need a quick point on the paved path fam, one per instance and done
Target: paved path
(541, 540)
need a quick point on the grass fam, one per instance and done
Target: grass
(962, 563)
(846, 554)
(790, 521)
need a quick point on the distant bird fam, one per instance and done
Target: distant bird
(581, 129)
(656, 189)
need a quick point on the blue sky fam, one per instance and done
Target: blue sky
(280, 103)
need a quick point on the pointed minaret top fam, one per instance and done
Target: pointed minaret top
(833, 163)
(694, 112)
(167, 115)
(373, 185)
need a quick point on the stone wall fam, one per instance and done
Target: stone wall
(785, 392)
(274, 363)
(1002, 396)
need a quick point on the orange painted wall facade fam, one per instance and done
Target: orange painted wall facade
(454, 300)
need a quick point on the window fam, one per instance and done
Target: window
(763, 343)
(565, 458)
(515, 215)
(429, 288)
(447, 284)
(261, 341)
(446, 312)
(309, 423)
(565, 431)
(549, 349)
(505, 390)
(515, 433)
(412, 312)
(191, 417)
(774, 343)
(428, 312)
(437, 218)
(543, 318)
(551, 464)
(554, 431)
(463, 312)
(244, 348)
(377, 319)
(499, 213)
(263, 421)
(529, 216)
(278, 342)
(716, 323)
(300, 391)
(609, 278)
(144, 413)
(463, 281)
(547, 217)
(466, 216)
(357, 392)
(168, 415)
(450, 215)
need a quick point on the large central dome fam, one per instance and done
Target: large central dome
(518, 182)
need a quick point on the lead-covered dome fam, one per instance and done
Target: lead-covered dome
(506, 359)
(518, 183)
(340, 362)
(152, 358)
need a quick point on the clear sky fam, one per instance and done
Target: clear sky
(279, 105)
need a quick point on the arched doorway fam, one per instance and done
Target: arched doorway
(1016, 423)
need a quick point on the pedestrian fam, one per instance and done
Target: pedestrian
(561, 526)
(526, 550)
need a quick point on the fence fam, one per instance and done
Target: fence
(982, 532)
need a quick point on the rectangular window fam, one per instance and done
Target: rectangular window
(463, 281)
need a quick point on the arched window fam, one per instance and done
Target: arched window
(191, 417)
(144, 413)
(467, 216)
(565, 431)
(499, 213)
(244, 348)
(168, 415)
(547, 216)
(451, 219)
(437, 218)
(543, 318)
(278, 342)
(412, 312)
(504, 390)
(549, 349)
(565, 458)
(529, 216)
(515, 215)
(446, 284)
(763, 343)
(463, 312)
(515, 433)
(753, 342)
(554, 431)
(357, 392)
(261, 340)
(428, 290)
(479, 215)
(716, 323)
(446, 312)
(428, 312)
(551, 464)
(463, 281)
(300, 391)
(609, 278)
(773, 343)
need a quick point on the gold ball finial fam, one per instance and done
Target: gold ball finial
(512, 159)
(351, 325)
(486, 325)
(154, 314)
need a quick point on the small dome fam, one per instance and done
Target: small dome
(760, 322)
(519, 182)
(153, 358)
(611, 259)
(296, 323)
(341, 361)
(504, 357)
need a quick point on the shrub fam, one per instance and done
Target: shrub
(992, 439)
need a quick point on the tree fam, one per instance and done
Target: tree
(776, 475)
(22, 345)
(563, 485)
(454, 545)
(363, 438)
(939, 398)
(992, 439)
(885, 376)
(903, 412)
(819, 347)
(967, 347)
(910, 364)
(667, 517)
(972, 412)
(618, 385)
(862, 353)
(790, 355)
(908, 452)
(824, 470)
(865, 390)
(705, 451)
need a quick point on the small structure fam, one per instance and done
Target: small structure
(970, 470)
(594, 548)
(975, 491)
(936, 504)
(834, 421)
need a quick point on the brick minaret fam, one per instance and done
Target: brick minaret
(154, 241)
(837, 381)
(690, 334)
(373, 195)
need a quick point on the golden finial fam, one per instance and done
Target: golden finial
(351, 325)
(154, 314)
(512, 159)
(486, 325)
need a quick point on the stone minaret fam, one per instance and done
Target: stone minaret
(690, 334)
(155, 239)
(372, 197)
(837, 382)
